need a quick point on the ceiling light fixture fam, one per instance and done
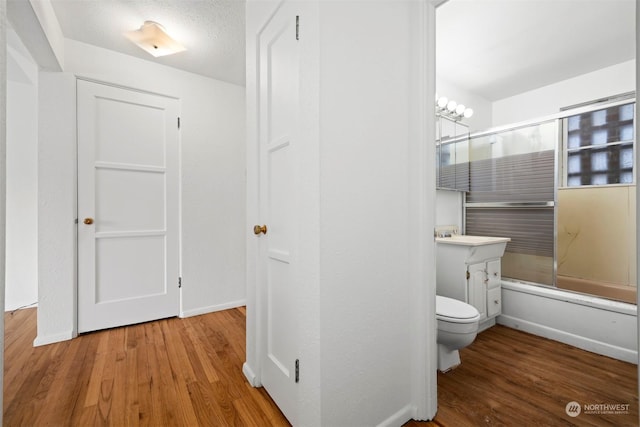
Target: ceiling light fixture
(153, 38)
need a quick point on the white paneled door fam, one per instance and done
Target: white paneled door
(128, 160)
(279, 105)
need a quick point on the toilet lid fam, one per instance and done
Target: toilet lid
(452, 309)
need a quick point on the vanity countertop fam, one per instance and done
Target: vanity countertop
(467, 240)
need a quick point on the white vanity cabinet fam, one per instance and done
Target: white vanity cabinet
(483, 288)
(468, 269)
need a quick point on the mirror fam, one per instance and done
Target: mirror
(452, 154)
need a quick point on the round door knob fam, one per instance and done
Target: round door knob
(259, 229)
(88, 221)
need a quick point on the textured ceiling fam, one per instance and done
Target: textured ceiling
(498, 48)
(211, 30)
(495, 48)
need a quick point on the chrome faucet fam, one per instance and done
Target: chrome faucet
(446, 231)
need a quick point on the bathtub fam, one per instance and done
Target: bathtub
(594, 324)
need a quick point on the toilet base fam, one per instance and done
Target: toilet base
(447, 359)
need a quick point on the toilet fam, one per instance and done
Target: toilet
(457, 328)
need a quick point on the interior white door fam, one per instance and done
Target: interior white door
(128, 158)
(279, 77)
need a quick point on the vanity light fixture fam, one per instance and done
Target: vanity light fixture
(153, 38)
(442, 102)
(451, 109)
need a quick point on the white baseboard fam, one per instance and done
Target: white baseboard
(50, 339)
(584, 343)
(18, 306)
(399, 418)
(250, 375)
(213, 308)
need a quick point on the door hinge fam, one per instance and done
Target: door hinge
(179, 282)
(178, 122)
(297, 371)
(297, 27)
(468, 275)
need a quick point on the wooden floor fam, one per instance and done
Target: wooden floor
(511, 378)
(173, 372)
(187, 372)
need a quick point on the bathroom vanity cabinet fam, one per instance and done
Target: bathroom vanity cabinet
(468, 269)
(483, 288)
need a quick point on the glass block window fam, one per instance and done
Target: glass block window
(599, 147)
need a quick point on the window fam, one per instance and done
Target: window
(599, 146)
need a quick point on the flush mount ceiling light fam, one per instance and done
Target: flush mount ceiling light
(153, 38)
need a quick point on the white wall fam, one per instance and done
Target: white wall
(56, 208)
(365, 294)
(482, 108)
(38, 27)
(212, 181)
(51, 30)
(22, 176)
(547, 100)
(372, 292)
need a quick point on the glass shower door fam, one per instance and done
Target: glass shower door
(512, 194)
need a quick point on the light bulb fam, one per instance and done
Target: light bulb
(451, 106)
(442, 102)
(460, 109)
(468, 113)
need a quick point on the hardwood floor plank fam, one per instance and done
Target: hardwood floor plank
(182, 373)
(92, 396)
(162, 380)
(153, 386)
(88, 417)
(127, 377)
(200, 358)
(83, 376)
(250, 414)
(208, 411)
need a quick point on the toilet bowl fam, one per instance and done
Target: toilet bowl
(457, 328)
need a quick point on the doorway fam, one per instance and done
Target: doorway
(506, 112)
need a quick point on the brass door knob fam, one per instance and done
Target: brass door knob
(259, 229)
(88, 221)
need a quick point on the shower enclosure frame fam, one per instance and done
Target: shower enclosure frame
(560, 162)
